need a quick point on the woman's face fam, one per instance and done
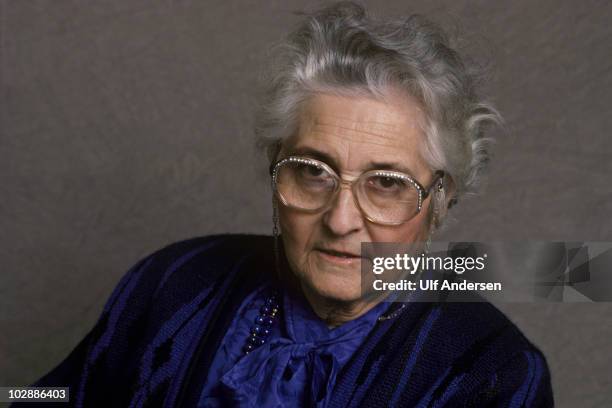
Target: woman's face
(352, 135)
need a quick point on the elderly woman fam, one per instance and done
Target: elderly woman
(373, 129)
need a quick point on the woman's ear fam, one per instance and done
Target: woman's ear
(444, 197)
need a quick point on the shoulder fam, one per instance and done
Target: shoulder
(483, 326)
(460, 322)
(467, 321)
(496, 356)
(204, 258)
(160, 304)
(474, 332)
(226, 247)
(452, 354)
(186, 272)
(447, 354)
(472, 351)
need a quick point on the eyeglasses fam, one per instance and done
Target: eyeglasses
(383, 196)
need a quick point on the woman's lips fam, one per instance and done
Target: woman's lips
(338, 257)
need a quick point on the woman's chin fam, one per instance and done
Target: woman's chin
(336, 287)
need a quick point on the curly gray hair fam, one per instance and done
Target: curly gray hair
(342, 50)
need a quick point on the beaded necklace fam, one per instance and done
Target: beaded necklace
(269, 314)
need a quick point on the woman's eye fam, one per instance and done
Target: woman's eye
(314, 171)
(387, 183)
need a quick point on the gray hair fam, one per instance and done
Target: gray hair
(342, 50)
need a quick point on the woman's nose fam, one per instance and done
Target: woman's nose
(343, 217)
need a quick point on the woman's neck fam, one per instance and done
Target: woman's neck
(335, 313)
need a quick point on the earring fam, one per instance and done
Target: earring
(427, 244)
(275, 235)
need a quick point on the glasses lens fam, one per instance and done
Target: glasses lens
(388, 197)
(305, 185)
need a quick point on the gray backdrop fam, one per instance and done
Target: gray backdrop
(126, 125)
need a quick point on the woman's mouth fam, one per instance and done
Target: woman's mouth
(338, 257)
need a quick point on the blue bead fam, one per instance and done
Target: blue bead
(263, 322)
(253, 340)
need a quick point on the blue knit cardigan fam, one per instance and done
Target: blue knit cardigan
(160, 328)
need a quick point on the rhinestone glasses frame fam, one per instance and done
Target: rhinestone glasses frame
(422, 191)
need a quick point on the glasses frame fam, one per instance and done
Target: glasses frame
(423, 192)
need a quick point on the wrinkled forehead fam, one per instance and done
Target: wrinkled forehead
(357, 132)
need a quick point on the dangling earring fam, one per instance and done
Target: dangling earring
(427, 244)
(275, 237)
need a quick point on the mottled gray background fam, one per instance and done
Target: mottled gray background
(126, 125)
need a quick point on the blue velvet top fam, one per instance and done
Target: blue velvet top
(297, 366)
(168, 322)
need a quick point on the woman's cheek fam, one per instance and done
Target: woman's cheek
(297, 231)
(414, 230)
